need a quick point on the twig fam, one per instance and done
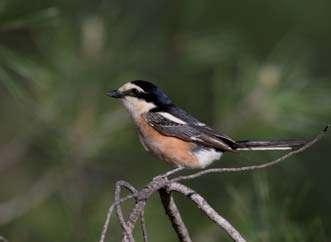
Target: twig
(136, 212)
(127, 233)
(143, 226)
(171, 172)
(207, 209)
(174, 215)
(133, 190)
(254, 167)
(141, 196)
(105, 227)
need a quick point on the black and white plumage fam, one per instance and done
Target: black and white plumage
(175, 136)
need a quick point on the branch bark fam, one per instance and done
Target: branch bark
(126, 232)
(207, 209)
(174, 215)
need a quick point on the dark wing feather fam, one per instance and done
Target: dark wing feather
(202, 135)
(183, 115)
(207, 130)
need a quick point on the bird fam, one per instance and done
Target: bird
(175, 136)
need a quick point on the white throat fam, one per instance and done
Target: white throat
(137, 107)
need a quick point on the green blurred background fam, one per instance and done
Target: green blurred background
(253, 69)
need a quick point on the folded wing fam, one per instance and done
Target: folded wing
(189, 129)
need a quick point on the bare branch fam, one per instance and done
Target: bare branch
(254, 167)
(133, 218)
(127, 233)
(174, 215)
(133, 190)
(169, 173)
(105, 227)
(142, 215)
(207, 209)
(142, 197)
(143, 226)
(156, 185)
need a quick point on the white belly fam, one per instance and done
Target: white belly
(206, 156)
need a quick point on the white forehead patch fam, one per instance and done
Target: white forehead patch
(129, 86)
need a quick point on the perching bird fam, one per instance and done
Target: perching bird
(176, 137)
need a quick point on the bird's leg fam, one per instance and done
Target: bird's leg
(169, 173)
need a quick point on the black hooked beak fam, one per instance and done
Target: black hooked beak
(115, 94)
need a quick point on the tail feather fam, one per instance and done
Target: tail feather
(247, 145)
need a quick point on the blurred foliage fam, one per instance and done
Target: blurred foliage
(254, 69)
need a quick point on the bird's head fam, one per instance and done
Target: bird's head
(140, 96)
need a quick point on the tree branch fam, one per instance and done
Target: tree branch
(133, 218)
(143, 226)
(174, 215)
(207, 209)
(127, 233)
(105, 227)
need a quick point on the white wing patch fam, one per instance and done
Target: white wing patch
(172, 118)
(207, 156)
(195, 138)
(265, 148)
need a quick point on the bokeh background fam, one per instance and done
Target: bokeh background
(253, 69)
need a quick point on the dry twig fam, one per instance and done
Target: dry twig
(207, 209)
(132, 190)
(105, 228)
(128, 236)
(174, 215)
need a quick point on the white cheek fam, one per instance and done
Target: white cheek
(136, 106)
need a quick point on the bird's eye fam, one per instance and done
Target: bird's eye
(134, 91)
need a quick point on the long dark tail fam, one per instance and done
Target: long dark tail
(248, 145)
